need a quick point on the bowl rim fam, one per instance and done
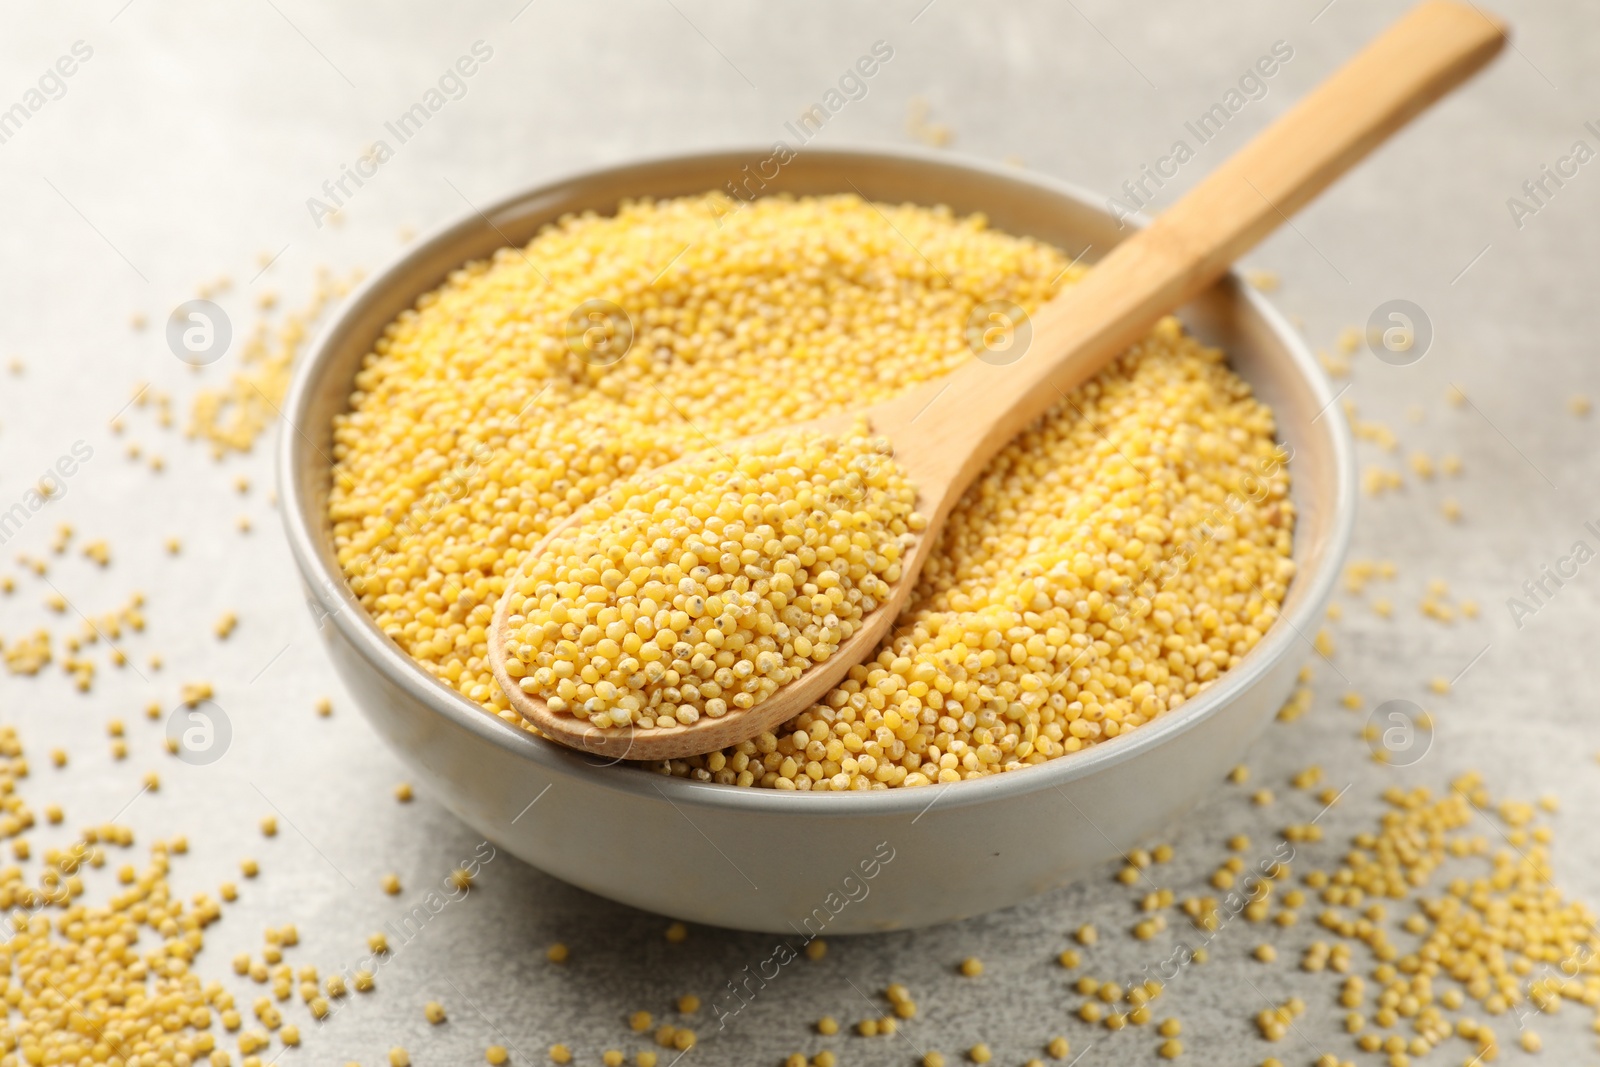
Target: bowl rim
(330, 595)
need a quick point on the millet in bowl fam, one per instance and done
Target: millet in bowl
(1114, 561)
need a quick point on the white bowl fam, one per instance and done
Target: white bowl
(810, 863)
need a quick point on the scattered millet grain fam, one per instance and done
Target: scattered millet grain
(971, 967)
(434, 1012)
(233, 418)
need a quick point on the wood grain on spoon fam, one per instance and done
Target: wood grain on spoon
(945, 431)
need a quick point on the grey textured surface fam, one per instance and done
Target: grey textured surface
(189, 143)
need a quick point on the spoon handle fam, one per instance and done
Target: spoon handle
(1424, 55)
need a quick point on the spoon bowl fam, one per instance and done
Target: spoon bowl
(706, 734)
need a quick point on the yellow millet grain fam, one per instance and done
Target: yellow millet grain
(232, 418)
(1108, 566)
(701, 588)
(114, 973)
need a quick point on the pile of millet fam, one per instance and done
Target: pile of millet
(1110, 564)
(702, 587)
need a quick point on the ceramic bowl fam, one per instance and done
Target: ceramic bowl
(813, 863)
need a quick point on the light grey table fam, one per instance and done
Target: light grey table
(188, 143)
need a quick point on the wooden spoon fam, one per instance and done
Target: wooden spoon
(946, 430)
